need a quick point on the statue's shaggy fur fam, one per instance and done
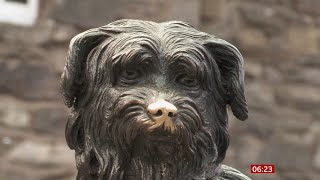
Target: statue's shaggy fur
(113, 72)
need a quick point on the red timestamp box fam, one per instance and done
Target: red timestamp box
(262, 168)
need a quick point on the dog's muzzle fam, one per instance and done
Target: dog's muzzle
(162, 113)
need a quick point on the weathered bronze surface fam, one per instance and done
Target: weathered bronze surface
(149, 101)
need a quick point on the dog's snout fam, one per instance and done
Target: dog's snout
(162, 109)
(162, 113)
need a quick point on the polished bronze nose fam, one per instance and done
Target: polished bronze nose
(162, 113)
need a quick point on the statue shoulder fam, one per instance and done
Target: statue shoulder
(229, 173)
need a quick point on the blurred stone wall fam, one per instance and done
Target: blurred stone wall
(280, 40)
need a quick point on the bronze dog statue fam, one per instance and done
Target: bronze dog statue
(149, 101)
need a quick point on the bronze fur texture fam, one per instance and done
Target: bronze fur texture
(149, 102)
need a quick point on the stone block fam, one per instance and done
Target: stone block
(41, 153)
(183, 10)
(260, 124)
(304, 75)
(273, 75)
(271, 19)
(34, 159)
(7, 142)
(31, 80)
(314, 176)
(274, 176)
(36, 35)
(308, 6)
(252, 39)
(88, 13)
(63, 33)
(302, 40)
(310, 60)
(295, 176)
(292, 120)
(249, 149)
(256, 100)
(14, 114)
(50, 119)
(301, 96)
(253, 70)
(100, 12)
(316, 159)
(212, 10)
(288, 152)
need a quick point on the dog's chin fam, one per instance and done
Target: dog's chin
(148, 149)
(162, 151)
(143, 141)
(157, 145)
(161, 134)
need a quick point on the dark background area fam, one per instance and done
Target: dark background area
(280, 42)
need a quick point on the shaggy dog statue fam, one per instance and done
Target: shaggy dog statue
(149, 101)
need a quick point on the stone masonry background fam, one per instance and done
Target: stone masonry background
(279, 39)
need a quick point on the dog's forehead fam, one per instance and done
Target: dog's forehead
(163, 40)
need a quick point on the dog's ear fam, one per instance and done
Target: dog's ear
(73, 76)
(230, 63)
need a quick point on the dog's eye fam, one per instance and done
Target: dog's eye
(187, 81)
(130, 76)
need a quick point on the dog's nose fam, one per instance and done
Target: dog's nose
(162, 110)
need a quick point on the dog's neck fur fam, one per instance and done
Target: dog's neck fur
(157, 159)
(146, 162)
(114, 72)
(220, 172)
(151, 160)
(163, 170)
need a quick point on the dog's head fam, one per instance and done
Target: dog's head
(150, 100)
